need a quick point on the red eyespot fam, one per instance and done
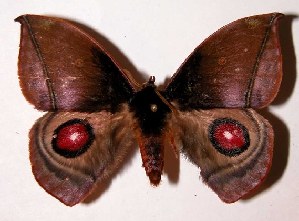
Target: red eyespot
(229, 136)
(72, 138)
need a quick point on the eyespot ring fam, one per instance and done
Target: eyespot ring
(228, 136)
(72, 138)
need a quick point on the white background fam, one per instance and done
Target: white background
(148, 38)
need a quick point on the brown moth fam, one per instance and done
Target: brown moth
(96, 113)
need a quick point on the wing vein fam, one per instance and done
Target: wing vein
(45, 69)
(257, 63)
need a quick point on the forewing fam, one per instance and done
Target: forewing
(240, 65)
(232, 147)
(63, 68)
(69, 174)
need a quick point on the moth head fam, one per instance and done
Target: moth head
(149, 83)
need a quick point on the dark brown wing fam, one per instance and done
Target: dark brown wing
(240, 65)
(232, 147)
(62, 68)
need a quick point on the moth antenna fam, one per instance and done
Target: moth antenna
(152, 80)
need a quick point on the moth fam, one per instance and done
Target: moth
(96, 112)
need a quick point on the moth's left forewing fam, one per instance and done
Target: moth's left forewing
(238, 66)
(230, 172)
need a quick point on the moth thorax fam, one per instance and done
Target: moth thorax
(154, 108)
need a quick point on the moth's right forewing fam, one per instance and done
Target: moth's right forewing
(63, 68)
